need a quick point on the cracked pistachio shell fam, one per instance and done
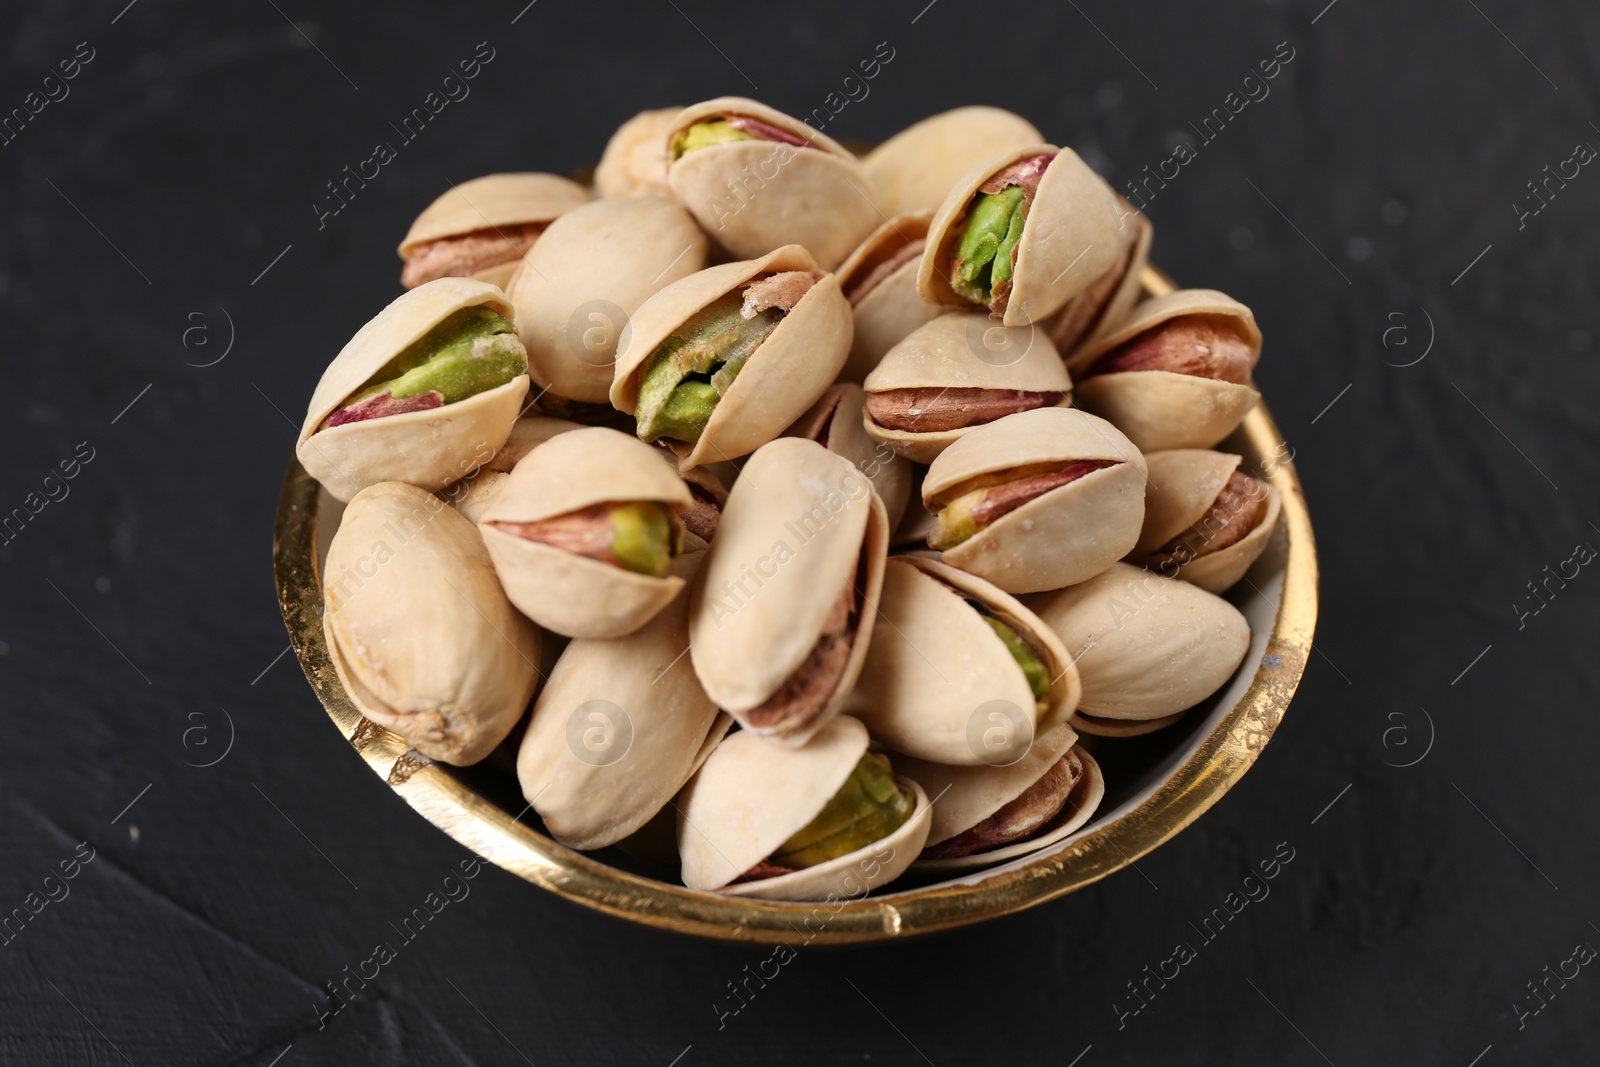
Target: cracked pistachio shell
(1071, 237)
(1062, 537)
(786, 374)
(590, 271)
(1161, 410)
(915, 168)
(968, 795)
(1183, 485)
(798, 522)
(563, 591)
(963, 350)
(418, 629)
(1105, 305)
(749, 798)
(620, 725)
(838, 418)
(936, 666)
(471, 495)
(752, 197)
(892, 308)
(1147, 647)
(490, 201)
(429, 449)
(635, 160)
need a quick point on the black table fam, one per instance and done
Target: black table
(173, 278)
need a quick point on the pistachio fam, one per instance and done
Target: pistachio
(481, 228)
(1205, 348)
(980, 272)
(1018, 819)
(870, 806)
(640, 536)
(964, 515)
(1206, 521)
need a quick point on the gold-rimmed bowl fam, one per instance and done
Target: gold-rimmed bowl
(1157, 784)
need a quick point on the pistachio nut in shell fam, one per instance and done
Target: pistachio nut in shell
(835, 422)
(959, 672)
(1038, 500)
(1147, 647)
(914, 169)
(589, 272)
(481, 228)
(880, 281)
(584, 531)
(1021, 234)
(618, 728)
(757, 179)
(1205, 520)
(721, 362)
(987, 815)
(783, 609)
(751, 799)
(471, 495)
(957, 372)
(634, 162)
(418, 629)
(1105, 304)
(425, 392)
(1177, 372)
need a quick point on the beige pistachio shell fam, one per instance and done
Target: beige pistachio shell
(1073, 235)
(1105, 305)
(590, 271)
(563, 591)
(914, 169)
(970, 794)
(618, 729)
(798, 521)
(838, 417)
(494, 200)
(963, 350)
(750, 797)
(429, 449)
(418, 629)
(635, 160)
(471, 495)
(936, 670)
(1064, 536)
(1096, 726)
(1146, 646)
(786, 374)
(1080, 807)
(1161, 410)
(752, 197)
(1184, 484)
(893, 307)
(1216, 572)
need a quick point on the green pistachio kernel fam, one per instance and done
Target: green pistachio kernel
(471, 351)
(692, 369)
(704, 135)
(870, 806)
(955, 522)
(995, 225)
(645, 536)
(1032, 666)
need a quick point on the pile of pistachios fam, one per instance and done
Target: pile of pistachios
(791, 519)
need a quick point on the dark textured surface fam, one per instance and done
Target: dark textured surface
(139, 618)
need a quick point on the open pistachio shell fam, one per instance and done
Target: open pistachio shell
(968, 795)
(937, 674)
(788, 373)
(1072, 235)
(635, 160)
(891, 307)
(563, 591)
(915, 168)
(750, 796)
(1184, 485)
(491, 201)
(620, 725)
(752, 197)
(419, 631)
(1064, 536)
(471, 495)
(799, 522)
(963, 350)
(836, 419)
(429, 449)
(1104, 306)
(590, 271)
(1146, 646)
(1159, 409)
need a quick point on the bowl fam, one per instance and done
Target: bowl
(1156, 785)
